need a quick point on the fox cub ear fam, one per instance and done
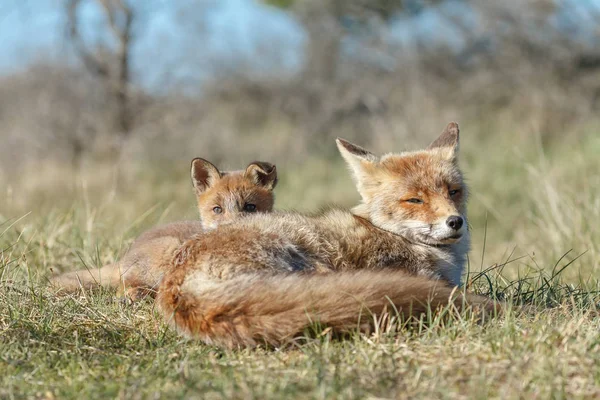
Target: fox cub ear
(262, 174)
(448, 139)
(204, 174)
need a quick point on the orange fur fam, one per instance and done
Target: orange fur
(139, 272)
(259, 279)
(254, 309)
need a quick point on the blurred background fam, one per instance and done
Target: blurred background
(103, 103)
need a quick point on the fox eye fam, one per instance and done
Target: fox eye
(217, 210)
(453, 192)
(249, 207)
(415, 201)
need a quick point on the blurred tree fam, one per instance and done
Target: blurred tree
(328, 22)
(345, 8)
(327, 75)
(111, 66)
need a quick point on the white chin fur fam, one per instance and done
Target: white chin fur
(435, 234)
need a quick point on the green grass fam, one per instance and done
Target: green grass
(94, 347)
(534, 215)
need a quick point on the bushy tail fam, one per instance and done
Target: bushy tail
(255, 309)
(71, 282)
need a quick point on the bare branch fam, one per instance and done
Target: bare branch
(91, 62)
(114, 71)
(112, 8)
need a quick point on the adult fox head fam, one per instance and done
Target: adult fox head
(420, 195)
(225, 196)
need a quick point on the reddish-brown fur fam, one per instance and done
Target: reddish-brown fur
(258, 309)
(263, 278)
(423, 176)
(139, 272)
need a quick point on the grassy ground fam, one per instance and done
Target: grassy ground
(534, 216)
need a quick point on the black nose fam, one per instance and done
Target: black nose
(455, 222)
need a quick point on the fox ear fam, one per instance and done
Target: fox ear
(448, 139)
(262, 174)
(358, 159)
(204, 174)
(354, 154)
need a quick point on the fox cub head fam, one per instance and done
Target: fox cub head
(419, 194)
(225, 196)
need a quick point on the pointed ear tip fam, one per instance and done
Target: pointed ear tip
(453, 127)
(341, 142)
(198, 160)
(266, 167)
(271, 168)
(202, 166)
(194, 164)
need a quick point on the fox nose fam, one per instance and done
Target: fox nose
(455, 222)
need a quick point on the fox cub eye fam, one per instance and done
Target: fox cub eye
(217, 210)
(249, 207)
(415, 201)
(453, 192)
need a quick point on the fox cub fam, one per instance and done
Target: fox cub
(263, 279)
(222, 198)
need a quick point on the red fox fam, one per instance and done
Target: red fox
(263, 279)
(222, 197)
